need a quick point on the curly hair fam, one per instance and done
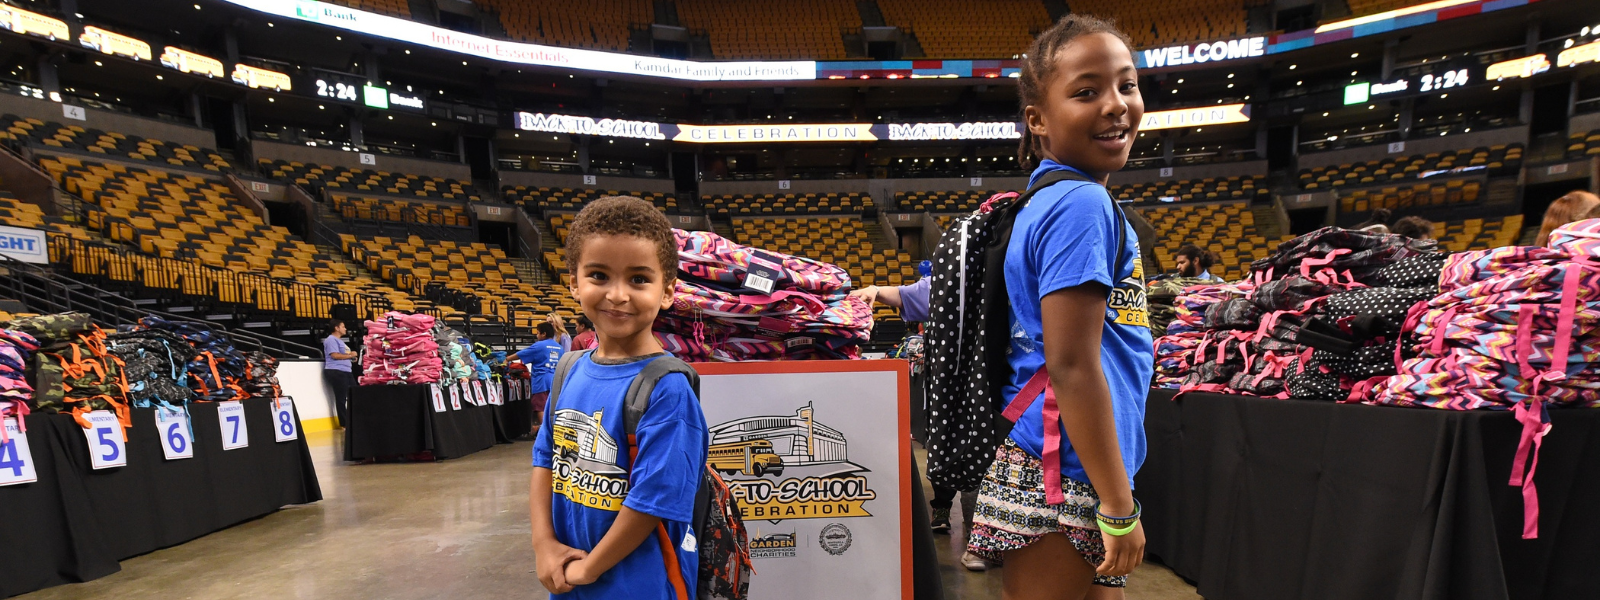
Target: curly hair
(624, 215)
(1039, 65)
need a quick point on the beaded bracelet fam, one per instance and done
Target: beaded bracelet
(1119, 521)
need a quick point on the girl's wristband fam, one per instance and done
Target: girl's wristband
(1116, 531)
(1119, 521)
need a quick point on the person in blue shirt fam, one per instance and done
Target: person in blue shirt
(1194, 261)
(541, 358)
(606, 525)
(1078, 314)
(336, 369)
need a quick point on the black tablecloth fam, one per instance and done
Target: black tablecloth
(396, 420)
(1256, 498)
(74, 523)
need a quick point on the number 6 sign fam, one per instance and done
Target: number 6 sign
(107, 448)
(284, 427)
(230, 416)
(177, 439)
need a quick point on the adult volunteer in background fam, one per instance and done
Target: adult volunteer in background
(336, 357)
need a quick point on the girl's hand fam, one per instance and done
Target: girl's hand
(578, 573)
(551, 562)
(869, 293)
(1123, 553)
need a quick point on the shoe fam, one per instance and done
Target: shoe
(974, 562)
(941, 520)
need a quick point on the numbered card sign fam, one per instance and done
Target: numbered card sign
(438, 397)
(177, 439)
(496, 395)
(477, 392)
(16, 459)
(455, 397)
(284, 427)
(107, 448)
(230, 416)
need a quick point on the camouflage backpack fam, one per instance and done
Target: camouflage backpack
(52, 331)
(154, 364)
(90, 378)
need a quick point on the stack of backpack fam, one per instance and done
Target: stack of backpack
(155, 362)
(261, 380)
(400, 348)
(1184, 331)
(1161, 297)
(72, 371)
(493, 360)
(455, 353)
(16, 349)
(734, 302)
(218, 368)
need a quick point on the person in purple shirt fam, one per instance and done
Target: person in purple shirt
(912, 300)
(336, 371)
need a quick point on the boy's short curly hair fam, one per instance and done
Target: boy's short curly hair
(624, 215)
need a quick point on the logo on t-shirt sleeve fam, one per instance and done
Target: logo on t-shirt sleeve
(1127, 304)
(585, 463)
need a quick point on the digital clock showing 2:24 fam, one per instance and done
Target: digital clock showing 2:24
(341, 87)
(1430, 82)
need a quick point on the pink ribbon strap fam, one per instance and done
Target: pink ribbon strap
(1050, 422)
(1535, 426)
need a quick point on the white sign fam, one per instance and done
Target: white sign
(455, 396)
(16, 458)
(230, 416)
(1195, 117)
(1166, 171)
(1203, 52)
(1397, 147)
(257, 186)
(479, 391)
(975, 182)
(25, 245)
(1006, 130)
(74, 112)
(497, 394)
(368, 159)
(491, 210)
(438, 397)
(177, 439)
(406, 30)
(783, 184)
(588, 180)
(587, 126)
(846, 455)
(284, 426)
(404, 101)
(107, 447)
(1556, 170)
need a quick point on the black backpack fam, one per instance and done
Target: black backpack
(969, 335)
(725, 566)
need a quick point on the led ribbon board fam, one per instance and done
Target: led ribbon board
(20, 21)
(1199, 116)
(257, 77)
(408, 31)
(1203, 52)
(783, 132)
(116, 44)
(189, 62)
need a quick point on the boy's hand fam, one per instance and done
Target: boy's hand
(551, 562)
(578, 573)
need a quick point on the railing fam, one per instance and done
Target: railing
(261, 293)
(42, 292)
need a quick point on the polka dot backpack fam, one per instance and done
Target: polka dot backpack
(967, 339)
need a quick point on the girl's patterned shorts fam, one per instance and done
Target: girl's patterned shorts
(1012, 512)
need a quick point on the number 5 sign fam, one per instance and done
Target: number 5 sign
(107, 448)
(177, 439)
(284, 427)
(16, 460)
(230, 415)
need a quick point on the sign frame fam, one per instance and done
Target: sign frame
(902, 373)
(41, 239)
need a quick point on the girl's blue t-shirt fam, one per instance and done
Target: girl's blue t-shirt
(541, 358)
(584, 444)
(1063, 239)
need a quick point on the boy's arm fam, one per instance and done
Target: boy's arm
(550, 556)
(626, 533)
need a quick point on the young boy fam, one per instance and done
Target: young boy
(541, 358)
(605, 526)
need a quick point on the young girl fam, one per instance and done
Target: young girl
(1078, 312)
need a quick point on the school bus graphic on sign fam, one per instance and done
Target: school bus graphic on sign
(790, 467)
(21, 21)
(109, 42)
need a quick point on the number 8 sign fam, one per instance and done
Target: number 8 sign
(177, 439)
(107, 448)
(284, 427)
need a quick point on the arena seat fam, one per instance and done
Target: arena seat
(367, 181)
(476, 269)
(1362, 8)
(548, 198)
(17, 213)
(1194, 190)
(791, 30)
(827, 203)
(1478, 234)
(959, 201)
(1583, 144)
(1496, 160)
(393, 8)
(1453, 192)
(117, 146)
(1226, 229)
(383, 209)
(596, 24)
(1152, 23)
(187, 218)
(952, 29)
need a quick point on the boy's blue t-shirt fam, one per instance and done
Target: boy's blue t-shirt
(541, 359)
(583, 443)
(1062, 239)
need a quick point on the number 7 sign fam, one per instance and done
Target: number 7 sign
(230, 416)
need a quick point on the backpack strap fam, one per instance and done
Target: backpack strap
(634, 405)
(563, 368)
